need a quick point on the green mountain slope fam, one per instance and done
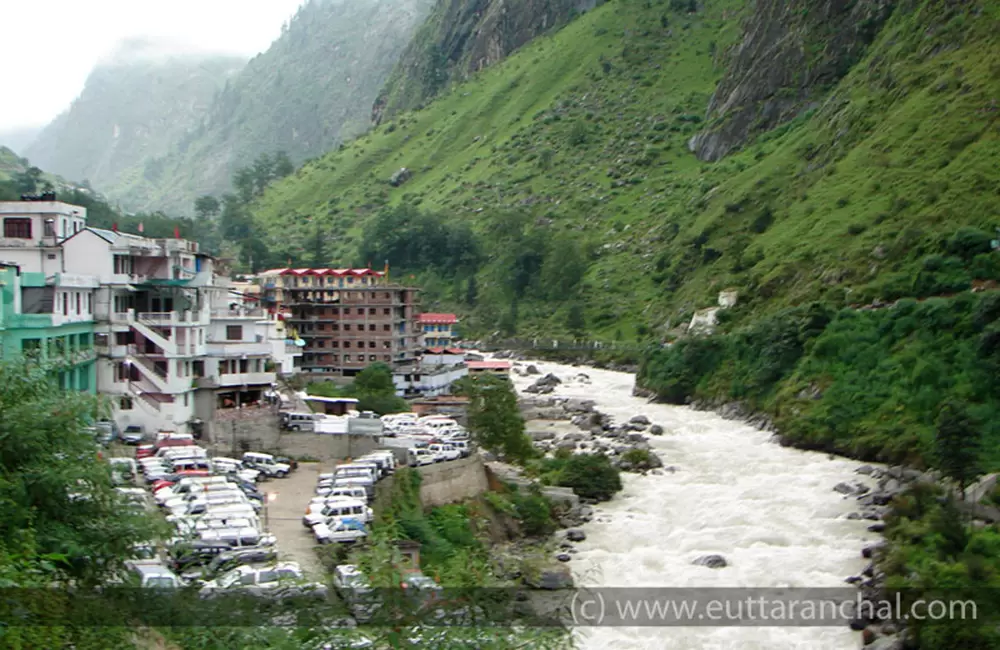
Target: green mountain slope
(587, 132)
(132, 109)
(459, 38)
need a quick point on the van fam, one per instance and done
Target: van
(364, 482)
(153, 574)
(417, 456)
(297, 421)
(318, 513)
(353, 492)
(386, 461)
(266, 463)
(357, 469)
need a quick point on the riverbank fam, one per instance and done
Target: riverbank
(770, 512)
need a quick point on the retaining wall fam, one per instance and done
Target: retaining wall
(452, 481)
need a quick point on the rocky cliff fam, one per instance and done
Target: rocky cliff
(461, 37)
(791, 53)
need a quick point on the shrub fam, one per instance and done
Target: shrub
(592, 476)
(967, 243)
(534, 512)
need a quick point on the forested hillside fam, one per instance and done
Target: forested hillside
(848, 180)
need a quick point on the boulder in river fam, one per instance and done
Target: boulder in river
(656, 430)
(564, 557)
(713, 561)
(575, 535)
(639, 419)
(843, 488)
(532, 369)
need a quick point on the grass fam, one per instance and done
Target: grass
(588, 129)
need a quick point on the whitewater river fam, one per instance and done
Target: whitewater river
(770, 511)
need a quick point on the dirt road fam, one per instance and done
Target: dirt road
(287, 501)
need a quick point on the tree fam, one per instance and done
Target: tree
(376, 379)
(563, 268)
(471, 291)
(575, 321)
(320, 255)
(957, 444)
(27, 181)
(206, 206)
(495, 420)
(57, 498)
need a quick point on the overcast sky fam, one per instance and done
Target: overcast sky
(49, 46)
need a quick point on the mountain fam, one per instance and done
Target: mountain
(134, 107)
(204, 119)
(830, 181)
(18, 139)
(461, 37)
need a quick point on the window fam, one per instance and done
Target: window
(336, 311)
(321, 326)
(386, 328)
(124, 338)
(49, 229)
(371, 328)
(85, 340)
(51, 256)
(347, 327)
(385, 312)
(334, 344)
(387, 296)
(234, 332)
(321, 344)
(347, 344)
(79, 303)
(371, 310)
(347, 358)
(371, 344)
(65, 304)
(123, 264)
(371, 357)
(31, 345)
(125, 403)
(335, 327)
(387, 357)
(347, 311)
(90, 306)
(387, 345)
(17, 228)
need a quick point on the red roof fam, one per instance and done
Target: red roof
(438, 319)
(445, 351)
(488, 365)
(336, 272)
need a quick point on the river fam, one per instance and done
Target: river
(769, 510)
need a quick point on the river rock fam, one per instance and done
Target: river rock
(576, 535)
(711, 561)
(566, 444)
(886, 643)
(576, 437)
(564, 557)
(865, 470)
(843, 488)
(639, 419)
(656, 430)
(532, 369)
(877, 528)
(853, 580)
(635, 437)
(538, 436)
(555, 577)
(869, 552)
(577, 405)
(540, 390)
(582, 378)
(854, 516)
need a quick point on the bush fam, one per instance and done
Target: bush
(592, 476)
(966, 243)
(534, 512)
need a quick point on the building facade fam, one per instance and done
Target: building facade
(347, 318)
(438, 329)
(153, 323)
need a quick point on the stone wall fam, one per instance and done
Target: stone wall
(452, 481)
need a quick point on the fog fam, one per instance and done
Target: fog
(50, 46)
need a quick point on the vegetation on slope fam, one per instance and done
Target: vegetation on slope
(586, 133)
(459, 38)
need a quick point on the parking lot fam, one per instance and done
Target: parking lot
(287, 501)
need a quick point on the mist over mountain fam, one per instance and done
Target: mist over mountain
(209, 115)
(136, 105)
(19, 138)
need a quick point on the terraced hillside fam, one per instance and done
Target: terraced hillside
(587, 133)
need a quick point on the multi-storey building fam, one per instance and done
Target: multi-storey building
(438, 329)
(348, 318)
(43, 309)
(174, 342)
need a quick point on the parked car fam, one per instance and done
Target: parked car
(443, 451)
(417, 456)
(231, 559)
(462, 446)
(297, 421)
(337, 507)
(344, 530)
(133, 434)
(153, 574)
(188, 555)
(266, 464)
(285, 578)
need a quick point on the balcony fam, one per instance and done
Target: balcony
(236, 349)
(232, 380)
(257, 313)
(170, 318)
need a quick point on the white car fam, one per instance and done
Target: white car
(339, 529)
(337, 507)
(285, 577)
(443, 451)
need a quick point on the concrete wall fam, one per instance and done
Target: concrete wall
(452, 481)
(257, 430)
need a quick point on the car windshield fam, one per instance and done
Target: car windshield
(162, 581)
(230, 579)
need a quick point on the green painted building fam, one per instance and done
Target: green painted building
(52, 317)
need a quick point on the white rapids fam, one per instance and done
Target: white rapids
(769, 510)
